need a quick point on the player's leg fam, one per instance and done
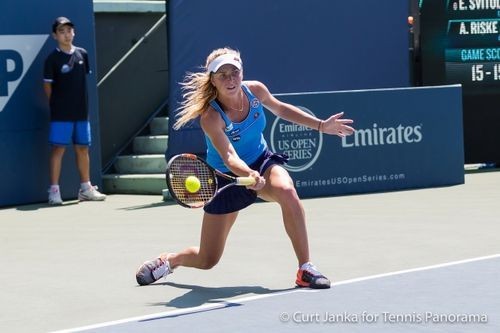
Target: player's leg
(55, 164)
(82, 141)
(59, 137)
(279, 188)
(56, 156)
(83, 162)
(214, 231)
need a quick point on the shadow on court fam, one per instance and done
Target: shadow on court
(198, 295)
(39, 206)
(153, 205)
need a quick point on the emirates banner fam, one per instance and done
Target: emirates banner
(405, 138)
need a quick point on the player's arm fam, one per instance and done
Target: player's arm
(47, 87)
(213, 126)
(48, 76)
(333, 125)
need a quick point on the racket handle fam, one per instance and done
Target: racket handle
(245, 181)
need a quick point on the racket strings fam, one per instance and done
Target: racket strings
(183, 167)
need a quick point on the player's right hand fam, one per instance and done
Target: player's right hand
(260, 181)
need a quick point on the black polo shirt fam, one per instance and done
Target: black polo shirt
(68, 75)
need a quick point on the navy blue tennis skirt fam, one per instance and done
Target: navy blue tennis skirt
(236, 198)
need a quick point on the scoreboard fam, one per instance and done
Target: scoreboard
(460, 43)
(472, 54)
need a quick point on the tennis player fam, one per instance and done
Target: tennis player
(233, 120)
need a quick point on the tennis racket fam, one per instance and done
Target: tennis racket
(182, 166)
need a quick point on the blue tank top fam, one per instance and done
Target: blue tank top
(246, 137)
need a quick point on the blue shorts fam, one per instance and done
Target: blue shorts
(63, 133)
(236, 198)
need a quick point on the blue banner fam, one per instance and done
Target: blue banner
(405, 138)
(25, 42)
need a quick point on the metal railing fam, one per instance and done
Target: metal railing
(132, 49)
(132, 93)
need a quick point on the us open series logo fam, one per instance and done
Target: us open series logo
(302, 144)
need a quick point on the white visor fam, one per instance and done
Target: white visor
(228, 58)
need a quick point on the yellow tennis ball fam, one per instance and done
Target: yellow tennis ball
(192, 184)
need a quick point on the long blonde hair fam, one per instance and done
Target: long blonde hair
(198, 91)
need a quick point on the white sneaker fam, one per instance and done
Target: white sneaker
(91, 194)
(55, 197)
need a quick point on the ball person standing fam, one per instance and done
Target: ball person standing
(65, 85)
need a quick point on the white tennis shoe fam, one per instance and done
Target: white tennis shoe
(55, 197)
(91, 194)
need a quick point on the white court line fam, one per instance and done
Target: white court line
(224, 304)
(419, 269)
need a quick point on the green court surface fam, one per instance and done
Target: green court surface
(389, 254)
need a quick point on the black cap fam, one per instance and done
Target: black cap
(61, 21)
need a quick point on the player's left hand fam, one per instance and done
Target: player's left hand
(260, 181)
(335, 125)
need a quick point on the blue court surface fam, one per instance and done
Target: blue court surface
(455, 297)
